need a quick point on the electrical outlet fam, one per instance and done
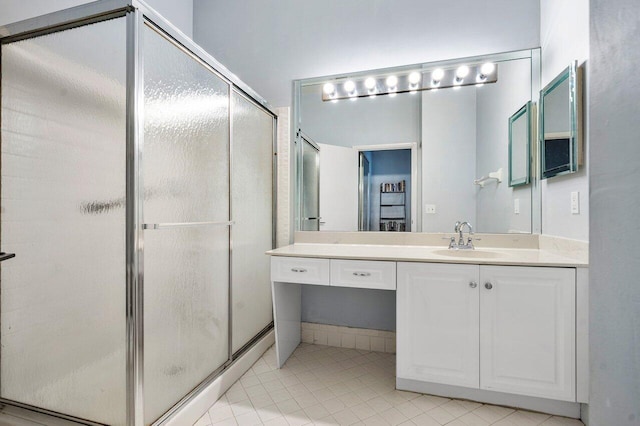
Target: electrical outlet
(430, 208)
(516, 206)
(575, 202)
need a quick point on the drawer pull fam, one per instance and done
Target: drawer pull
(298, 270)
(362, 274)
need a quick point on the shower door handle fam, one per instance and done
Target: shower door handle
(153, 226)
(5, 256)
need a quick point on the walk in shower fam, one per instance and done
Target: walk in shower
(137, 180)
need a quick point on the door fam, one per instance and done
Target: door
(310, 186)
(186, 214)
(252, 214)
(437, 323)
(63, 197)
(338, 188)
(364, 192)
(527, 331)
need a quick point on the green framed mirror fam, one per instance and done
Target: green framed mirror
(520, 136)
(561, 124)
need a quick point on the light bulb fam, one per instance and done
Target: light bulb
(414, 77)
(437, 75)
(462, 72)
(487, 68)
(349, 86)
(370, 83)
(392, 81)
(328, 89)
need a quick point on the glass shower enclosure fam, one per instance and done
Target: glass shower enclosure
(137, 194)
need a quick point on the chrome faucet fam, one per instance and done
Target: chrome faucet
(461, 245)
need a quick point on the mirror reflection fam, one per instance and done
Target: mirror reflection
(520, 130)
(416, 161)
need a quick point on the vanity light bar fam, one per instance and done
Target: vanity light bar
(410, 82)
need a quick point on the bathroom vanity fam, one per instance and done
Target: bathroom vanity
(505, 323)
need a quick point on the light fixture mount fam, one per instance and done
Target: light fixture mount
(411, 81)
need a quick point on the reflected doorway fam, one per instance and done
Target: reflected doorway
(385, 189)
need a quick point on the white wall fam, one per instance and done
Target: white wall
(495, 104)
(448, 157)
(564, 36)
(179, 13)
(614, 311)
(364, 121)
(269, 43)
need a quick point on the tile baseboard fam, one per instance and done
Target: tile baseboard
(348, 337)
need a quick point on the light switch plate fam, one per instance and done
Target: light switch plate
(575, 202)
(516, 206)
(430, 208)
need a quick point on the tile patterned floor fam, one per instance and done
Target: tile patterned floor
(325, 385)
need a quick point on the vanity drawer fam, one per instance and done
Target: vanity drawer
(300, 270)
(363, 274)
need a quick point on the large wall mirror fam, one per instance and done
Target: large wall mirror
(414, 148)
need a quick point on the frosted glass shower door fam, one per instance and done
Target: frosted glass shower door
(252, 207)
(62, 310)
(186, 213)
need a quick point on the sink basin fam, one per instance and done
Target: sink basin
(469, 253)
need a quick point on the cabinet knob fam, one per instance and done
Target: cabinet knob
(488, 286)
(473, 284)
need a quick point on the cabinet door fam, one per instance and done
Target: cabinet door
(527, 331)
(437, 323)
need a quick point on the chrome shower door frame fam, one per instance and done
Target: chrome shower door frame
(137, 15)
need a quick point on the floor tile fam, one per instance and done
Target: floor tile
(561, 421)
(329, 386)
(205, 420)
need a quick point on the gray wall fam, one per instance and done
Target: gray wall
(495, 103)
(448, 157)
(350, 307)
(179, 13)
(564, 37)
(613, 224)
(269, 43)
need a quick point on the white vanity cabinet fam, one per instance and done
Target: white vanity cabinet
(527, 331)
(437, 337)
(509, 329)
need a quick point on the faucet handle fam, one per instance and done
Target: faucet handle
(452, 242)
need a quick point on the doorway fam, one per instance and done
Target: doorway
(386, 188)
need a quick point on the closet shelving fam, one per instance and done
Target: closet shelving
(393, 206)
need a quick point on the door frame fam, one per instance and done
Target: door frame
(361, 216)
(415, 183)
(304, 138)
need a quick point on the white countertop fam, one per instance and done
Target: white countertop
(435, 254)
